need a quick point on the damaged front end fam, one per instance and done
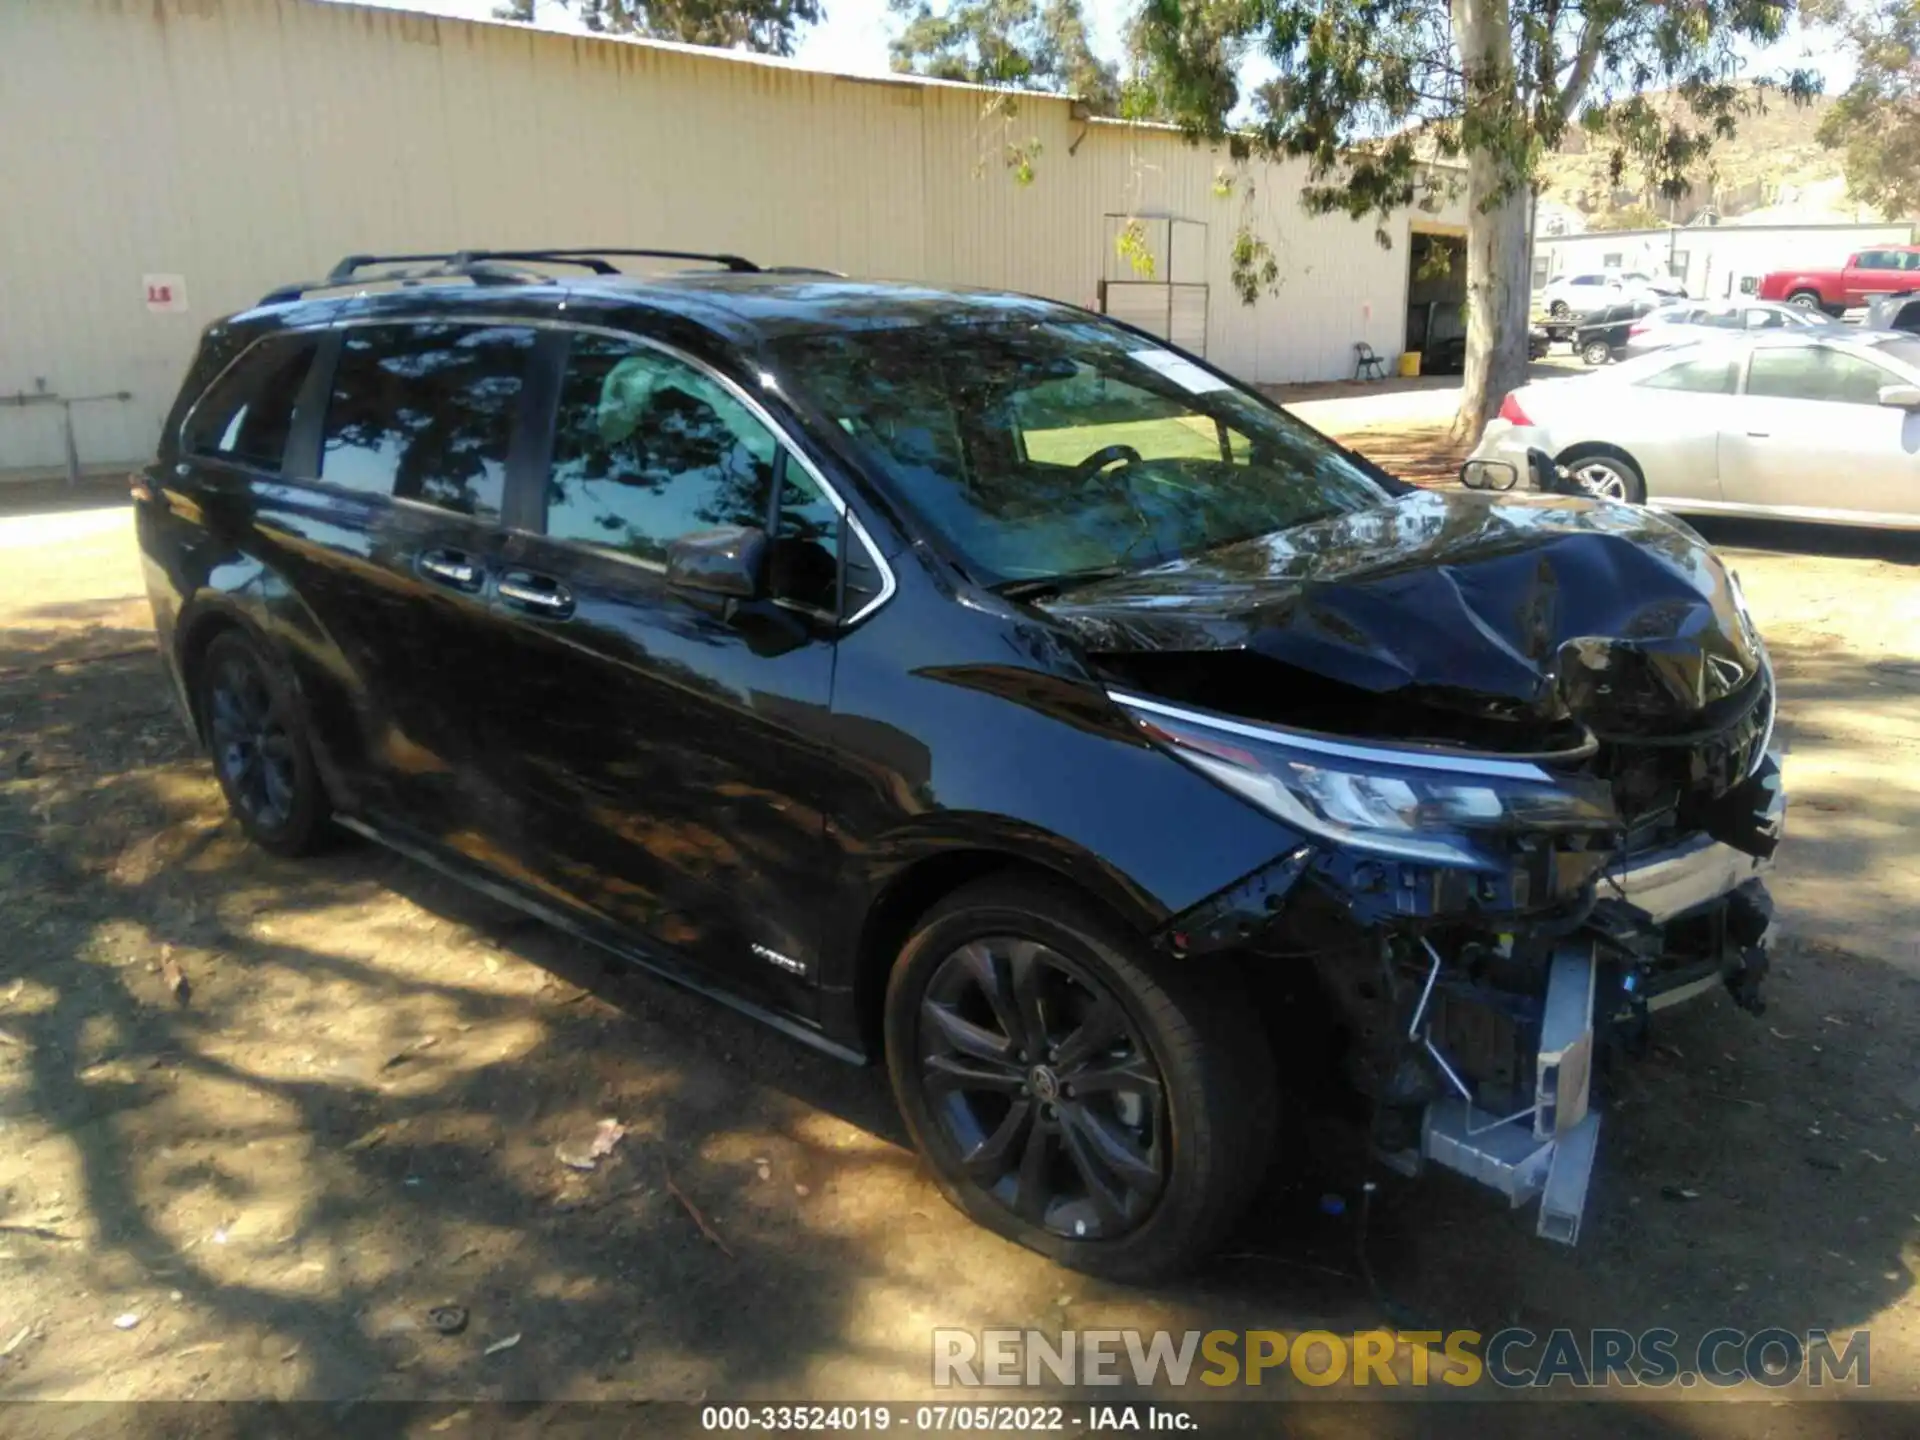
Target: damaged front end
(1530, 812)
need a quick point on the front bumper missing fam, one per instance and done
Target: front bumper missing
(1546, 1150)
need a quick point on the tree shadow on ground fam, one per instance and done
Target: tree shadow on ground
(364, 1107)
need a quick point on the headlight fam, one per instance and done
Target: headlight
(1411, 803)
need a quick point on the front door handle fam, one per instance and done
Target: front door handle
(540, 595)
(1758, 434)
(455, 569)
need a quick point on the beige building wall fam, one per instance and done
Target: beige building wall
(239, 144)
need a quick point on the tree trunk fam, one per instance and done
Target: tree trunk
(1497, 279)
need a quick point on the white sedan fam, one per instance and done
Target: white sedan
(1796, 426)
(1593, 290)
(1687, 322)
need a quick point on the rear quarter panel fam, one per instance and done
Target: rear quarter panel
(1672, 436)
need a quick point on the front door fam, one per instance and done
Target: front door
(1811, 435)
(1877, 273)
(665, 747)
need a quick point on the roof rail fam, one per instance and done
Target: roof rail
(580, 253)
(483, 267)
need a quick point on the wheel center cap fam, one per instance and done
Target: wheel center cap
(1045, 1084)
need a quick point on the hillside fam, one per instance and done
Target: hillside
(1774, 162)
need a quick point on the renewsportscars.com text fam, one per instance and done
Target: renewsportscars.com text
(1513, 1358)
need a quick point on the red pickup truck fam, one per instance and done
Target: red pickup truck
(1871, 272)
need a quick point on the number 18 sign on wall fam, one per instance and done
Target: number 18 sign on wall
(166, 294)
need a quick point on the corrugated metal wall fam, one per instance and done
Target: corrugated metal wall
(242, 143)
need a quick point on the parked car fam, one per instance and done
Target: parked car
(1580, 294)
(1449, 356)
(1604, 333)
(1687, 322)
(1899, 311)
(1866, 274)
(971, 682)
(1798, 425)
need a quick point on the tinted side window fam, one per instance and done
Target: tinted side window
(246, 415)
(425, 412)
(805, 560)
(1815, 373)
(646, 448)
(1702, 377)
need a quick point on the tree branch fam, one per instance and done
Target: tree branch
(1586, 55)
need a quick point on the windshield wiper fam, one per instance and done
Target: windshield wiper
(1057, 584)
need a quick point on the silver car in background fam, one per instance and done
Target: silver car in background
(1796, 425)
(1690, 321)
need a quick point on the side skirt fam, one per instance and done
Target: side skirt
(653, 963)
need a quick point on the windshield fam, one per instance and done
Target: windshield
(1068, 447)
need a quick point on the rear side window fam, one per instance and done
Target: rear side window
(1702, 377)
(426, 412)
(247, 414)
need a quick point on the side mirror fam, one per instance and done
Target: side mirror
(730, 561)
(1901, 397)
(1489, 475)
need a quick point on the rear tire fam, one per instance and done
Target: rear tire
(1596, 352)
(1110, 1110)
(1559, 310)
(1606, 476)
(256, 733)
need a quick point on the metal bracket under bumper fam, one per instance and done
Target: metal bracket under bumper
(1547, 1150)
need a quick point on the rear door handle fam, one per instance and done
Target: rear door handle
(533, 594)
(1758, 434)
(455, 569)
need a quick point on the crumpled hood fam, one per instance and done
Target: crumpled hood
(1540, 607)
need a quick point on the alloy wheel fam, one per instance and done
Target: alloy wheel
(1600, 479)
(252, 747)
(1043, 1088)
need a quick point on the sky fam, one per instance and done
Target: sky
(853, 38)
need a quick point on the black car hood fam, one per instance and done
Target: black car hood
(1544, 608)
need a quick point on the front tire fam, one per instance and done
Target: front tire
(1606, 476)
(1111, 1111)
(1807, 300)
(257, 735)
(1596, 352)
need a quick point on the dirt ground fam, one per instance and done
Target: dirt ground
(357, 1109)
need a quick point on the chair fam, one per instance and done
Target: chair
(1366, 364)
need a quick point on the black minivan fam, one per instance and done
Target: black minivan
(972, 681)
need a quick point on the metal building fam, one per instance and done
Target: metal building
(169, 161)
(1714, 262)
